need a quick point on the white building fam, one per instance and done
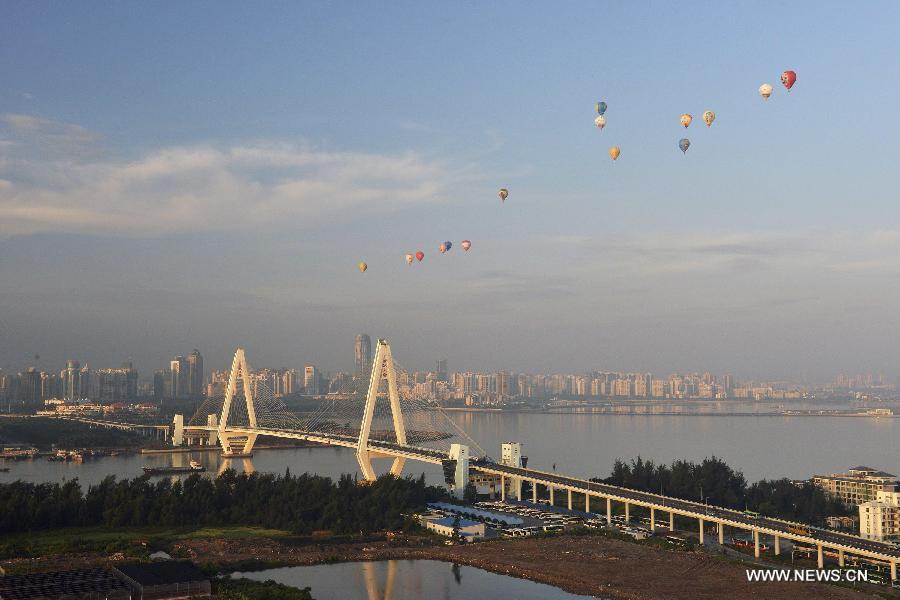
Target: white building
(469, 530)
(879, 519)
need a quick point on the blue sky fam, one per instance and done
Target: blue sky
(203, 175)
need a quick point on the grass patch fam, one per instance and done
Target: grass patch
(133, 542)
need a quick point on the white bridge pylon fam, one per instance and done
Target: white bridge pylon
(382, 368)
(240, 369)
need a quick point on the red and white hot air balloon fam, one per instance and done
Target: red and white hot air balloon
(420, 255)
(788, 78)
(466, 244)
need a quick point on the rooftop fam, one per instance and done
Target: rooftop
(161, 573)
(80, 583)
(448, 522)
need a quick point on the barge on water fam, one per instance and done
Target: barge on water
(195, 467)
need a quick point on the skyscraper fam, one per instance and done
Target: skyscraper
(195, 375)
(440, 369)
(71, 380)
(311, 379)
(363, 351)
(180, 378)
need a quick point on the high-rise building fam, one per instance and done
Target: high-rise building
(196, 388)
(363, 352)
(311, 380)
(879, 519)
(440, 369)
(30, 387)
(161, 385)
(180, 384)
(71, 380)
(117, 385)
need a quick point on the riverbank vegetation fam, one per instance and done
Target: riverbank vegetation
(248, 589)
(299, 504)
(713, 481)
(45, 433)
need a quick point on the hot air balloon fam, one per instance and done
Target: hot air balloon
(504, 193)
(788, 78)
(708, 117)
(420, 255)
(684, 144)
(362, 267)
(601, 108)
(409, 259)
(448, 245)
(466, 244)
(600, 121)
(614, 152)
(765, 90)
(686, 119)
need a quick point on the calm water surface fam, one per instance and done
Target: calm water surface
(407, 580)
(578, 444)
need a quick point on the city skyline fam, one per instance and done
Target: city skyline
(218, 190)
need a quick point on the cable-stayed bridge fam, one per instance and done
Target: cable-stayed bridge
(382, 423)
(385, 423)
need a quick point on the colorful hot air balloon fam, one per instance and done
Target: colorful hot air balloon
(362, 267)
(409, 259)
(503, 193)
(600, 121)
(765, 90)
(601, 108)
(466, 244)
(686, 119)
(684, 144)
(788, 78)
(420, 255)
(708, 117)
(614, 152)
(448, 245)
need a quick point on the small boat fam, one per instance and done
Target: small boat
(195, 467)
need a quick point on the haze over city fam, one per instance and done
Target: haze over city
(170, 181)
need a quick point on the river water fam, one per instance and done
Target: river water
(407, 580)
(580, 444)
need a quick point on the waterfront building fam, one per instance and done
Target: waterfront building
(857, 486)
(879, 519)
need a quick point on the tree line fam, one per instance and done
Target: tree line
(297, 503)
(713, 481)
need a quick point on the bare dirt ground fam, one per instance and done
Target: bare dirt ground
(590, 565)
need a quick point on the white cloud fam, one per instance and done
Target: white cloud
(197, 188)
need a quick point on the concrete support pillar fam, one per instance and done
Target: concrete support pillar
(627, 512)
(608, 511)
(820, 560)
(777, 545)
(721, 528)
(519, 483)
(503, 488)
(841, 557)
(652, 519)
(570, 499)
(587, 503)
(671, 521)
(756, 543)
(534, 492)
(551, 496)
(702, 525)
(893, 570)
